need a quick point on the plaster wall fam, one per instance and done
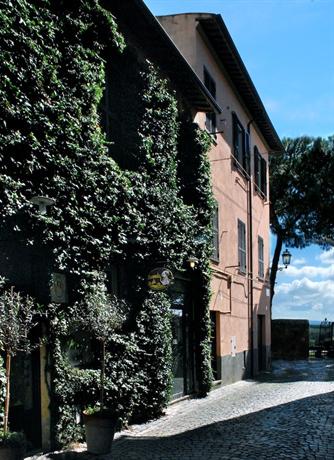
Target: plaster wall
(230, 288)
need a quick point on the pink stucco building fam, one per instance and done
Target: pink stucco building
(244, 138)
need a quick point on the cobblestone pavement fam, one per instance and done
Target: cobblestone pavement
(284, 415)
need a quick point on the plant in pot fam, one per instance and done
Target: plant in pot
(101, 314)
(16, 320)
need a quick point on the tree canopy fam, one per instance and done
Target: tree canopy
(302, 195)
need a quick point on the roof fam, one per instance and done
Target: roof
(214, 28)
(159, 48)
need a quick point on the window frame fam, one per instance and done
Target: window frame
(260, 245)
(210, 117)
(242, 247)
(260, 173)
(215, 233)
(241, 146)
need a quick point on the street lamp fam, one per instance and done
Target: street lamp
(193, 261)
(286, 256)
(42, 202)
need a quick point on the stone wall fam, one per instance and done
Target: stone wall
(290, 338)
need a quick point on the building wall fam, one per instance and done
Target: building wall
(231, 289)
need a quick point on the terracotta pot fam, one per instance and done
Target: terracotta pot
(11, 453)
(100, 430)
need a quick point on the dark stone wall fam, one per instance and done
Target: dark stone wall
(290, 338)
(231, 369)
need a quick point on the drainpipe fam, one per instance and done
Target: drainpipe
(250, 271)
(250, 257)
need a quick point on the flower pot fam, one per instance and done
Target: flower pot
(11, 453)
(100, 430)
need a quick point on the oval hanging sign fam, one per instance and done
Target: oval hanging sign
(160, 279)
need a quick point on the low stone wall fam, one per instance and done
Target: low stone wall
(289, 338)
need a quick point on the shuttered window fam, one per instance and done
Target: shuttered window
(215, 233)
(210, 84)
(241, 145)
(260, 173)
(261, 256)
(242, 246)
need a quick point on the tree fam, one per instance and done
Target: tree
(101, 314)
(302, 195)
(16, 321)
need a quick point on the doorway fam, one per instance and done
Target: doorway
(25, 403)
(261, 342)
(182, 362)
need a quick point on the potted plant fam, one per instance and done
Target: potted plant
(101, 314)
(16, 320)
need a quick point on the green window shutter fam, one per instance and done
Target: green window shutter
(215, 233)
(242, 246)
(263, 177)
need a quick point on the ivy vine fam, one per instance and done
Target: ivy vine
(53, 61)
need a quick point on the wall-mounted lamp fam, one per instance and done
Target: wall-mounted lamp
(192, 261)
(42, 202)
(286, 257)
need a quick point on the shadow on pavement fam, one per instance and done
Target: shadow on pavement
(297, 430)
(71, 455)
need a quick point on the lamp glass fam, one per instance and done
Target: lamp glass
(286, 256)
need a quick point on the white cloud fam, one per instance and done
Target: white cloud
(310, 271)
(317, 307)
(304, 298)
(300, 261)
(327, 257)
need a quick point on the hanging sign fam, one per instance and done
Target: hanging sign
(160, 279)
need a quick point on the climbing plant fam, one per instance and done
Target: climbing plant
(52, 143)
(2, 391)
(195, 177)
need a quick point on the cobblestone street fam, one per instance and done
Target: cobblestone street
(286, 415)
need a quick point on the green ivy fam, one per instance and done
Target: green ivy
(2, 391)
(53, 63)
(154, 340)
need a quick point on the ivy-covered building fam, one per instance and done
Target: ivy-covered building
(104, 118)
(244, 137)
(103, 172)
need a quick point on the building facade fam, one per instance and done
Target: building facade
(195, 54)
(243, 139)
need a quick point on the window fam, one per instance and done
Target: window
(215, 233)
(260, 244)
(260, 173)
(210, 84)
(241, 150)
(242, 246)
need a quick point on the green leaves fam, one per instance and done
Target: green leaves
(302, 190)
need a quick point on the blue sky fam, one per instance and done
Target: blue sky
(288, 49)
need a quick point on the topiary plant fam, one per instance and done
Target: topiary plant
(16, 320)
(101, 314)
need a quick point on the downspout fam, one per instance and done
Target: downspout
(250, 257)
(250, 272)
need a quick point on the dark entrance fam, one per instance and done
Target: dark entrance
(182, 368)
(25, 406)
(261, 343)
(214, 360)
